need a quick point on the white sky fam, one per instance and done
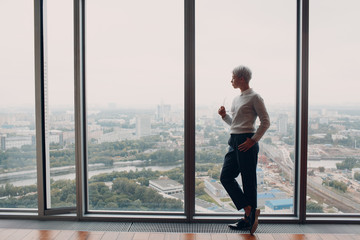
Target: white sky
(135, 51)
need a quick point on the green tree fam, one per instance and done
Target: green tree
(210, 156)
(348, 163)
(176, 174)
(357, 176)
(63, 193)
(340, 186)
(312, 207)
(135, 196)
(199, 187)
(98, 191)
(215, 172)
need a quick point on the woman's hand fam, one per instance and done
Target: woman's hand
(222, 111)
(246, 145)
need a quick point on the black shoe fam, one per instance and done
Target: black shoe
(253, 219)
(242, 224)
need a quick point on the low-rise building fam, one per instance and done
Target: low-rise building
(167, 186)
(279, 206)
(15, 142)
(215, 188)
(273, 194)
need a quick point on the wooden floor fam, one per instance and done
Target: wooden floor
(26, 234)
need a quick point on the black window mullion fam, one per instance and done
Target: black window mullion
(40, 104)
(189, 105)
(304, 88)
(80, 113)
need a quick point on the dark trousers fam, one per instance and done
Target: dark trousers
(244, 163)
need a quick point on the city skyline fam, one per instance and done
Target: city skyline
(117, 144)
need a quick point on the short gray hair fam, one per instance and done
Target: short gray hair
(242, 71)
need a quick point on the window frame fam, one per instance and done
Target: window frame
(189, 215)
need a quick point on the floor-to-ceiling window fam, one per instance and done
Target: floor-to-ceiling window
(134, 63)
(334, 114)
(262, 36)
(17, 106)
(135, 109)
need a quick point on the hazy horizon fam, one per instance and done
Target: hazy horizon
(139, 61)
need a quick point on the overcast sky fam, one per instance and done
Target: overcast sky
(135, 51)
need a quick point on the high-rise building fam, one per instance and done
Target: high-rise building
(163, 112)
(282, 123)
(143, 125)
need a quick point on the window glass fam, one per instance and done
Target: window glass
(18, 178)
(334, 113)
(59, 94)
(262, 36)
(135, 131)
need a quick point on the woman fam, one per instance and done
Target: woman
(243, 147)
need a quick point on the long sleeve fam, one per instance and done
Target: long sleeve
(227, 119)
(245, 109)
(263, 116)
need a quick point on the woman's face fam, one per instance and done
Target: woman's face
(236, 81)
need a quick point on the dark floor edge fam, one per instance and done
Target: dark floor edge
(178, 227)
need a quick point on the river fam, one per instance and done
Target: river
(31, 175)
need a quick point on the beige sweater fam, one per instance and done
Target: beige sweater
(245, 108)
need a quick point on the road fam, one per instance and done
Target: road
(280, 156)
